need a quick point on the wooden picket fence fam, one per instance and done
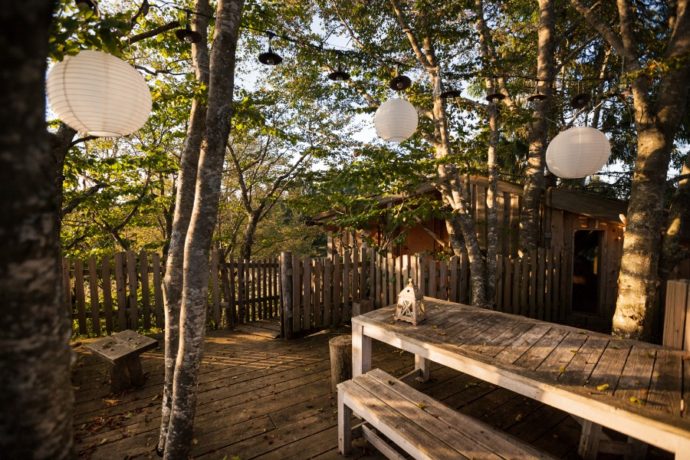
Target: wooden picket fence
(319, 292)
(124, 291)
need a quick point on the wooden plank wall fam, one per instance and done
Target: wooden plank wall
(318, 292)
(124, 291)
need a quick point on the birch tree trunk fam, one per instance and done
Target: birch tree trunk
(657, 117)
(491, 213)
(36, 397)
(201, 225)
(536, 138)
(184, 202)
(249, 232)
(677, 236)
(449, 180)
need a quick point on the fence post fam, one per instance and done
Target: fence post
(286, 294)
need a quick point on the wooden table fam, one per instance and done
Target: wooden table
(122, 351)
(631, 387)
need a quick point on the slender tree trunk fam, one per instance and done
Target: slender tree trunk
(457, 243)
(451, 190)
(534, 173)
(36, 397)
(491, 211)
(450, 183)
(198, 241)
(677, 237)
(184, 202)
(249, 232)
(59, 145)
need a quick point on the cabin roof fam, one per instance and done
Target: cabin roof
(586, 204)
(575, 201)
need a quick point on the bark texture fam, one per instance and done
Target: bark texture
(536, 138)
(491, 210)
(659, 109)
(36, 397)
(488, 57)
(184, 202)
(201, 225)
(677, 237)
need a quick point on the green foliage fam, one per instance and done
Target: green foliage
(298, 113)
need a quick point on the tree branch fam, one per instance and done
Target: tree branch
(72, 205)
(421, 57)
(604, 30)
(153, 32)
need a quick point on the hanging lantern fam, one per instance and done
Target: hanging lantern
(410, 307)
(98, 94)
(395, 120)
(577, 152)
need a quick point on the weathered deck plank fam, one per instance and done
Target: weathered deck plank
(270, 399)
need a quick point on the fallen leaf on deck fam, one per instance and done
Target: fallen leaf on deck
(603, 387)
(111, 402)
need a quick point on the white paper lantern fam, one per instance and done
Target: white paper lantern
(577, 152)
(99, 94)
(395, 120)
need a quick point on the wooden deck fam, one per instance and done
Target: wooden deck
(267, 398)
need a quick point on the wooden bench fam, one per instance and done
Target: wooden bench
(418, 424)
(122, 351)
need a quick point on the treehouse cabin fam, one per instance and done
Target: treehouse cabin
(586, 229)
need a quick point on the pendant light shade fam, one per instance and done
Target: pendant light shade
(577, 152)
(98, 94)
(395, 120)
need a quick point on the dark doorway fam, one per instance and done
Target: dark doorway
(586, 268)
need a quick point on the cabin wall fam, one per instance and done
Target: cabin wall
(558, 229)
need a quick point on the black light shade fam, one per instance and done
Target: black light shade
(450, 94)
(339, 75)
(187, 35)
(85, 5)
(400, 83)
(494, 97)
(580, 101)
(536, 97)
(270, 58)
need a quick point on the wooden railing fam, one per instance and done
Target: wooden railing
(124, 291)
(319, 292)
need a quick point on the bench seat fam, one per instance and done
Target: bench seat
(418, 424)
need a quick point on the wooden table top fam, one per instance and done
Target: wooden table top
(559, 365)
(122, 344)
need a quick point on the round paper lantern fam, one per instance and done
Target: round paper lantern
(395, 120)
(577, 152)
(98, 94)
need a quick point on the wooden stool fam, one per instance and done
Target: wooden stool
(341, 359)
(122, 350)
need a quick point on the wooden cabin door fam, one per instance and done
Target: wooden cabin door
(586, 270)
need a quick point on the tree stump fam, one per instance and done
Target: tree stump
(341, 359)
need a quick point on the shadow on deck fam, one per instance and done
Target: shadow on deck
(270, 399)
